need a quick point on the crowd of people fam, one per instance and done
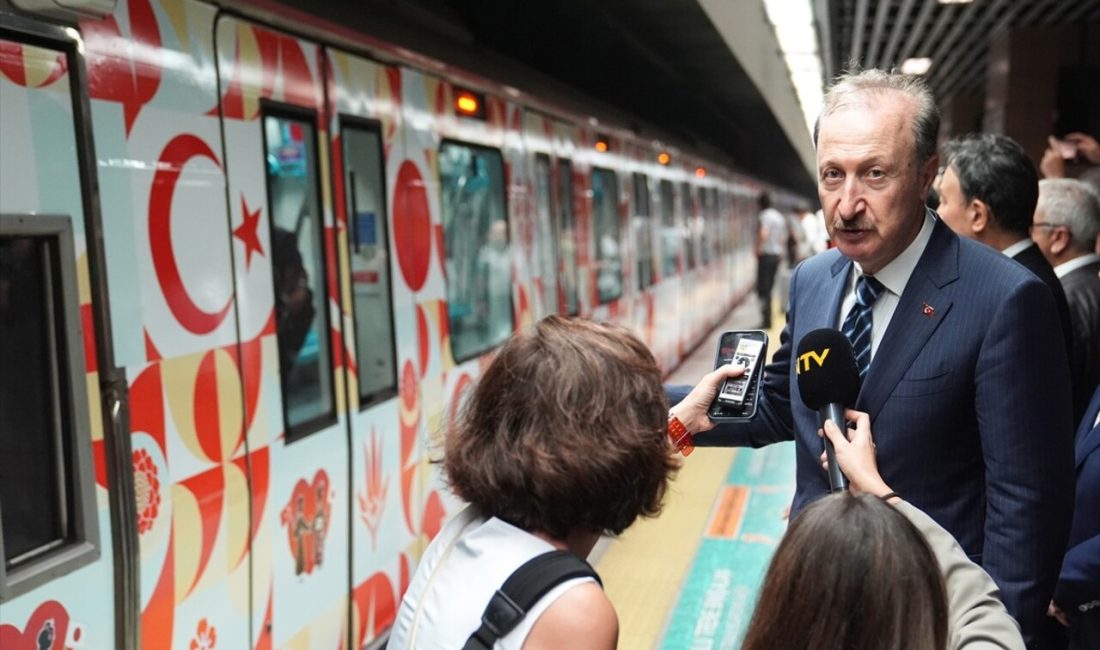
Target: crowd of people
(972, 518)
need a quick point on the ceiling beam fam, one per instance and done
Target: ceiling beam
(888, 61)
(917, 30)
(857, 32)
(876, 33)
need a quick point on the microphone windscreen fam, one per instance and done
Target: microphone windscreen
(826, 367)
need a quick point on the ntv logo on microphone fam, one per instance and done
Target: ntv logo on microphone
(805, 359)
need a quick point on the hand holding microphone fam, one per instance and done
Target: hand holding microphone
(855, 453)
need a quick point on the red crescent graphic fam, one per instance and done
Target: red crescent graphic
(156, 618)
(375, 601)
(172, 160)
(422, 339)
(208, 489)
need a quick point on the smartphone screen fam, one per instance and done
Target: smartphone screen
(737, 397)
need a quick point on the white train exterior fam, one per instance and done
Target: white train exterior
(245, 275)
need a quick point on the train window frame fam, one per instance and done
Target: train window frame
(600, 299)
(687, 205)
(480, 350)
(348, 122)
(563, 171)
(281, 110)
(81, 543)
(669, 230)
(643, 210)
(541, 159)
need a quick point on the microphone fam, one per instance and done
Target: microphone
(828, 380)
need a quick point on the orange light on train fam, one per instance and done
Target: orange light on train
(700, 172)
(602, 146)
(466, 103)
(664, 158)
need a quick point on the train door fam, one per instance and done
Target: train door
(63, 463)
(272, 106)
(384, 238)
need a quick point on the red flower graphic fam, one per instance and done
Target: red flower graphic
(146, 489)
(206, 636)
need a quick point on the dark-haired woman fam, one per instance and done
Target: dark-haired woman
(562, 440)
(868, 571)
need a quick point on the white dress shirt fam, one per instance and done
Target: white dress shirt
(1064, 269)
(894, 276)
(1018, 247)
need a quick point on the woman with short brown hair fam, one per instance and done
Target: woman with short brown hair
(563, 439)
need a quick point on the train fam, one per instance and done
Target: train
(249, 263)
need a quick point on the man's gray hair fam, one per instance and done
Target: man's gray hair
(1071, 203)
(857, 85)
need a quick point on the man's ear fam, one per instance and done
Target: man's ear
(928, 173)
(1059, 240)
(979, 214)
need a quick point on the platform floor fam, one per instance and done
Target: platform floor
(688, 579)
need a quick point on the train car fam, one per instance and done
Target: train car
(249, 263)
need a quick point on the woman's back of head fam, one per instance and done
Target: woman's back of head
(565, 431)
(851, 573)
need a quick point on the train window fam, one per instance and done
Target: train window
(605, 213)
(368, 243)
(567, 241)
(643, 231)
(48, 522)
(298, 270)
(670, 235)
(546, 263)
(689, 224)
(475, 240)
(708, 239)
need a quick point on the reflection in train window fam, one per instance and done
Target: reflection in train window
(298, 269)
(689, 224)
(642, 227)
(670, 234)
(567, 241)
(47, 502)
(605, 226)
(368, 243)
(709, 228)
(546, 262)
(475, 240)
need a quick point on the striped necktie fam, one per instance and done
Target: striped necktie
(857, 326)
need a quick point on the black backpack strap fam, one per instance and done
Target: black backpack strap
(527, 584)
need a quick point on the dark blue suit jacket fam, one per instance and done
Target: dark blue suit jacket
(969, 398)
(1078, 591)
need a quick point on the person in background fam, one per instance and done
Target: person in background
(1074, 146)
(953, 338)
(1066, 226)
(562, 440)
(1076, 602)
(771, 240)
(866, 570)
(817, 237)
(988, 192)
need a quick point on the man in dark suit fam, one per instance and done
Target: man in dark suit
(1067, 221)
(1077, 597)
(965, 386)
(988, 192)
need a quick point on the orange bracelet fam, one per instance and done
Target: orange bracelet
(679, 435)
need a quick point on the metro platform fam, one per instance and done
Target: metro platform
(688, 579)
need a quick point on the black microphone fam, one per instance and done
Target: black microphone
(828, 380)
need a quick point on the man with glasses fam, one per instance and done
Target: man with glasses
(1066, 225)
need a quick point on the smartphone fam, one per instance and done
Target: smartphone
(1067, 150)
(737, 397)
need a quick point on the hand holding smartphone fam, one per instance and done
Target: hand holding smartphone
(737, 397)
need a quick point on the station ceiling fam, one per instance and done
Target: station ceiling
(883, 33)
(660, 63)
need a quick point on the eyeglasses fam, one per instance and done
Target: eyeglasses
(1047, 225)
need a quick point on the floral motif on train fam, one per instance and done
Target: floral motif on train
(307, 517)
(48, 628)
(372, 500)
(206, 636)
(146, 489)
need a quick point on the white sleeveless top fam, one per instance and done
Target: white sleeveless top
(461, 570)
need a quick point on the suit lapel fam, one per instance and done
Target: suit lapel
(921, 309)
(828, 317)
